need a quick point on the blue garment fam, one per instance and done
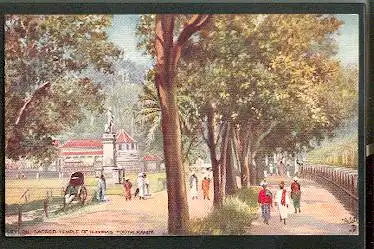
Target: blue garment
(265, 209)
(101, 190)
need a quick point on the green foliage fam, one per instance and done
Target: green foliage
(121, 90)
(340, 153)
(273, 73)
(233, 218)
(45, 92)
(149, 118)
(248, 195)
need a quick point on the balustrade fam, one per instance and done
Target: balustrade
(342, 177)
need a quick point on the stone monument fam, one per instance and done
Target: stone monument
(109, 167)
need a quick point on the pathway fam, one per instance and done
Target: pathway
(321, 214)
(117, 217)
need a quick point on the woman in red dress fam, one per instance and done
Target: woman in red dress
(127, 185)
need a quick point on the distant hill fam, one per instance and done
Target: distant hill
(121, 89)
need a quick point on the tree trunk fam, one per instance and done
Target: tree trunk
(244, 167)
(260, 166)
(244, 158)
(168, 53)
(231, 187)
(253, 174)
(177, 199)
(222, 161)
(213, 156)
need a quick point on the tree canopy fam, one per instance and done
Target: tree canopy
(274, 77)
(45, 92)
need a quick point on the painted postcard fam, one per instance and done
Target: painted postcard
(171, 124)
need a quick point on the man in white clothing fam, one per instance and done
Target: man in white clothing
(282, 200)
(140, 183)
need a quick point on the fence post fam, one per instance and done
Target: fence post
(347, 181)
(340, 178)
(46, 205)
(353, 185)
(19, 224)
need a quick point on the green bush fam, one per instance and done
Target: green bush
(233, 218)
(249, 196)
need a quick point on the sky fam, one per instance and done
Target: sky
(122, 33)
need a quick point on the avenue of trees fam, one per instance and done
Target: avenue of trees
(254, 83)
(242, 86)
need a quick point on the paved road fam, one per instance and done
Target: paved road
(321, 214)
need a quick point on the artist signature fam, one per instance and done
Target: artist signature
(353, 222)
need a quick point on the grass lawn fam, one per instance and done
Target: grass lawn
(233, 218)
(38, 188)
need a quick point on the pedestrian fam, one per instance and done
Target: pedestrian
(194, 186)
(71, 192)
(296, 194)
(288, 167)
(281, 168)
(127, 186)
(205, 186)
(271, 169)
(98, 188)
(146, 185)
(265, 199)
(102, 187)
(140, 183)
(136, 192)
(282, 201)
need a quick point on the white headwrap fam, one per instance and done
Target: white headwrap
(263, 183)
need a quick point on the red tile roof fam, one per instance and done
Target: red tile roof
(123, 137)
(152, 158)
(82, 153)
(79, 143)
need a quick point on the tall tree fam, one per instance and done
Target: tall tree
(168, 53)
(44, 56)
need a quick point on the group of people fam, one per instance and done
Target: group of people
(142, 189)
(281, 200)
(283, 168)
(194, 187)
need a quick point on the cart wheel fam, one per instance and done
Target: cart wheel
(83, 195)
